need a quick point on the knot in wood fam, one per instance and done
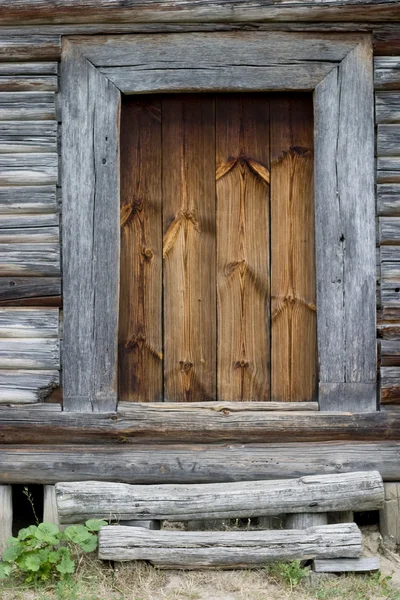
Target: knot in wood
(136, 340)
(186, 365)
(241, 364)
(147, 252)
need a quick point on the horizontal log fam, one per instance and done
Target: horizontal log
(29, 199)
(389, 331)
(230, 549)
(79, 501)
(27, 106)
(28, 169)
(29, 322)
(388, 176)
(30, 259)
(28, 136)
(347, 565)
(16, 289)
(27, 221)
(196, 463)
(390, 385)
(387, 106)
(389, 254)
(388, 199)
(26, 235)
(106, 11)
(27, 386)
(41, 46)
(388, 163)
(29, 353)
(28, 83)
(28, 68)
(148, 423)
(387, 72)
(388, 140)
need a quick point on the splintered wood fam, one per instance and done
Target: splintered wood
(217, 249)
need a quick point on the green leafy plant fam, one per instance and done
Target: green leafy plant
(291, 573)
(42, 552)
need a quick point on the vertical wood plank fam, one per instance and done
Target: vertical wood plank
(293, 328)
(242, 141)
(345, 234)
(50, 513)
(140, 326)
(6, 515)
(188, 145)
(90, 164)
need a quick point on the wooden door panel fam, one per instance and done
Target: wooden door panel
(294, 339)
(140, 317)
(242, 141)
(188, 147)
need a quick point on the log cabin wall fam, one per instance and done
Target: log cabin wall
(31, 279)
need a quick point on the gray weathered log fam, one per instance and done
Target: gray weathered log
(306, 520)
(387, 107)
(26, 221)
(28, 83)
(344, 169)
(25, 387)
(33, 46)
(389, 230)
(19, 289)
(29, 353)
(29, 322)
(28, 169)
(100, 11)
(388, 176)
(29, 259)
(347, 565)
(387, 72)
(91, 223)
(389, 521)
(388, 199)
(33, 199)
(28, 68)
(6, 515)
(27, 106)
(34, 235)
(148, 423)
(193, 463)
(388, 141)
(231, 549)
(349, 491)
(28, 136)
(390, 385)
(390, 353)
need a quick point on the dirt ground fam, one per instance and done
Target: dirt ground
(137, 581)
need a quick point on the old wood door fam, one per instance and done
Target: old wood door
(217, 294)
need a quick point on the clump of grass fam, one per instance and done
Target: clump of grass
(289, 573)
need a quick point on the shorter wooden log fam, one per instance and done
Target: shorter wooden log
(346, 565)
(6, 515)
(79, 501)
(389, 516)
(230, 549)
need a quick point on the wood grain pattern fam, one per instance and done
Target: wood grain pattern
(6, 515)
(29, 259)
(140, 318)
(388, 199)
(347, 565)
(387, 107)
(243, 286)
(387, 73)
(24, 386)
(188, 135)
(28, 136)
(28, 169)
(28, 199)
(27, 106)
(19, 289)
(293, 329)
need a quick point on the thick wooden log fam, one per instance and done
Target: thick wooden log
(6, 515)
(27, 106)
(30, 259)
(100, 11)
(35, 235)
(28, 136)
(28, 83)
(388, 199)
(389, 516)
(230, 549)
(30, 199)
(29, 322)
(29, 289)
(390, 385)
(27, 221)
(388, 140)
(29, 353)
(24, 386)
(193, 463)
(389, 230)
(347, 565)
(148, 423)
(28, 169)
(387, 72)
(387, 107)
(28, 68)
(349, 491)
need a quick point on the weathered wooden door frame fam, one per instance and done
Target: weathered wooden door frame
(338, 69)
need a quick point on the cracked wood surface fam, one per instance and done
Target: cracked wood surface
(188, 145)
(243, 260)
(140, 317)
(293, 326)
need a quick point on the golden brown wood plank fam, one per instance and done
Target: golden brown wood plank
(140, 328)
(188, 141)
(242, 140)
(293, 340)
